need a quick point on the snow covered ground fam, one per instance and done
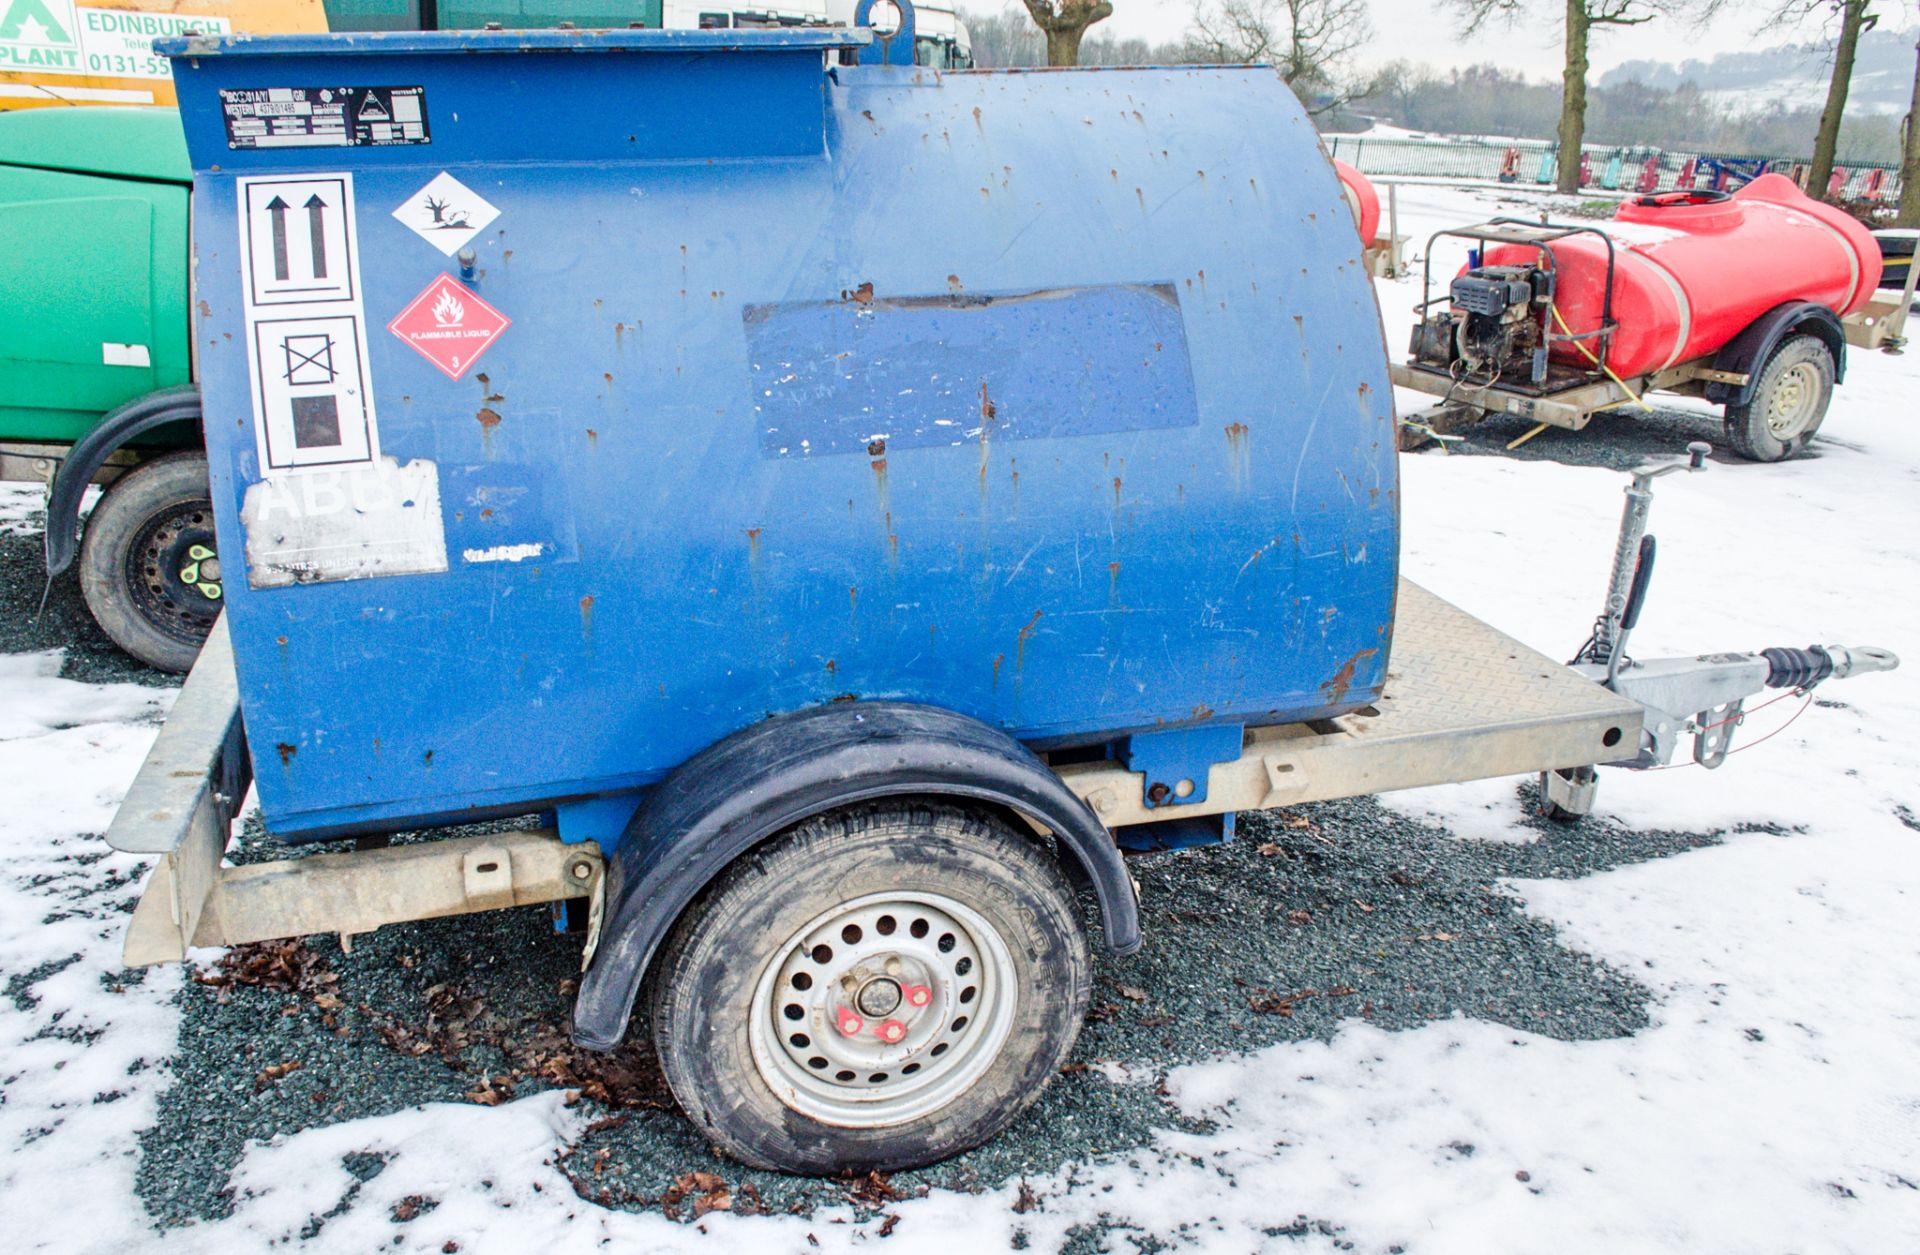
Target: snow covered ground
(1772, 1105)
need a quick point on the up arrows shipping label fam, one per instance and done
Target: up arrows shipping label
(312, 403)
(329, 505)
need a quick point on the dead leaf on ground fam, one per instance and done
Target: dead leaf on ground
(708, 1191)
(283, 966)
(492, 1091)
(874, 1191)
(1267, 1002)
(413, 1205)
(268, 1075)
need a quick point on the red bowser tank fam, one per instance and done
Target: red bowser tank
(1361, 198)
(1692, 270)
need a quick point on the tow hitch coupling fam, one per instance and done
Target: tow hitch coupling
(1704, 696)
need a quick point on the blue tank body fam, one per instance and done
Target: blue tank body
(574, 399)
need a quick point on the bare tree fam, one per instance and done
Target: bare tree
(1910, 156)
(1856, 18)
(1307, 41)
(1064, 23)
(1005, 39)
(1582, 17)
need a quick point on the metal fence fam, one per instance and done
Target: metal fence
(1623, 169)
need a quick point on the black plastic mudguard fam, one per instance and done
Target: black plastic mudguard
(89, 453)
(1747, 352)
(764, 779)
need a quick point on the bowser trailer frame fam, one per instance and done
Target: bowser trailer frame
(1464, 701)
(911, 797)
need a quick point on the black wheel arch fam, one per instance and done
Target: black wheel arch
(120, 425)
(1748, 352)
(760, 781)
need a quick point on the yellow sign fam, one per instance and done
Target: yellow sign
(100, 52)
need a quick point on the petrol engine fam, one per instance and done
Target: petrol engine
(1494, 326)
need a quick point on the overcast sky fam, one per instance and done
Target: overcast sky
(1428, 30)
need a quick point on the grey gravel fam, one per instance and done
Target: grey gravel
(1618, 440)
(1403, 924)
(64, 623)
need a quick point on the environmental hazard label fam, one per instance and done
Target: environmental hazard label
(324, 117)
(449, 325)
(446, 213)
(61, 37)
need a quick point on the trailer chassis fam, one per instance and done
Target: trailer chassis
(1464, 701)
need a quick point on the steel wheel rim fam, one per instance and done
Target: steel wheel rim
(892, 1061)
(173, 570)
(1790, 407)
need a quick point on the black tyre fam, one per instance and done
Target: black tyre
(879, 988)
(1790, 400)
(149, 567)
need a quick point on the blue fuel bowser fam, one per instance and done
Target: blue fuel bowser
(847, 506)
(580, 398)
(709, 437)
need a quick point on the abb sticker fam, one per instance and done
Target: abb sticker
(449, 325)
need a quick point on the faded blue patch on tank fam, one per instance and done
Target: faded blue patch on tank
(927, 371)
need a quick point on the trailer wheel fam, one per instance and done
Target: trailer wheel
(149, 567)
(879, 988)
(1789, 402)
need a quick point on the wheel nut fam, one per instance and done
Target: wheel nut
(890, 1032)
(848, 1023)
(917, 995)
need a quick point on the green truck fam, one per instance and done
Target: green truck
(96, 366)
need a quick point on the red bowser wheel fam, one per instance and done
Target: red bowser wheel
(880, 987)
(1789, 402)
